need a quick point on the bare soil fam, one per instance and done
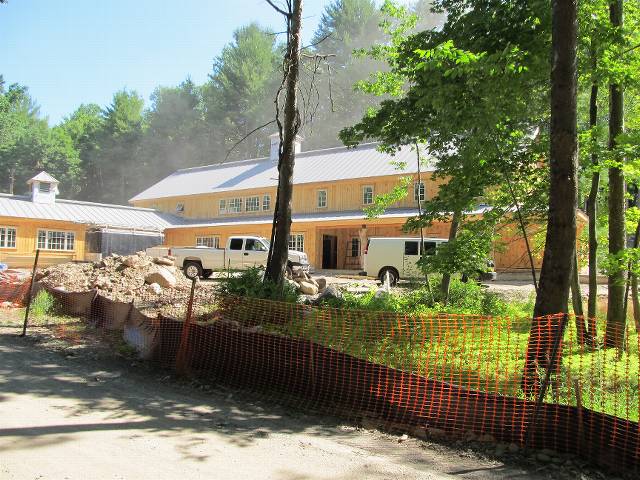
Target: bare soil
(75, 410)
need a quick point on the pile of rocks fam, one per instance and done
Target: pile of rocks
(121, 278)
(305, 284)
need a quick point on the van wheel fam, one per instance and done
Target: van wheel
(393, 276)
(192, 269)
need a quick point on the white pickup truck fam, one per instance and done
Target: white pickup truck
(240, 253)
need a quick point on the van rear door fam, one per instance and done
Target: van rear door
(410, 259)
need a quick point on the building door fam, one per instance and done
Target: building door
(329, 251)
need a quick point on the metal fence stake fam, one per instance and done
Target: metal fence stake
(181, 355)
(33, 277)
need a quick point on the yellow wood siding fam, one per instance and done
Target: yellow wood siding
(26, 242)
(345, 195)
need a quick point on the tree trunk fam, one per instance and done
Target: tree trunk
(446, 278)
(553, 288)
(279, 249)
(592, 213)
(615, 306)
(576, 301)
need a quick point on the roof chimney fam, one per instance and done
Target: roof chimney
(44, 188)
(275, 145)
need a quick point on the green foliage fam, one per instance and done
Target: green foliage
(464, 298)
(249, 283)
(43, 304)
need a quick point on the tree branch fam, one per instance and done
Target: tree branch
(278, 9)
(245, 137)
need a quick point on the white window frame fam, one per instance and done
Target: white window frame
(234, 205)
(318, 197)
(65, 244)
(222, 206)
(266, 203)
(364, 194)
(255, 203)
(5, 236)
(418, 195)
(296, 242)
(179, 207)
(210, 241)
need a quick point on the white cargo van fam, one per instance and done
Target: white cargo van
(397, 256)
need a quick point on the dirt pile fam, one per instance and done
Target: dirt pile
(121, 278)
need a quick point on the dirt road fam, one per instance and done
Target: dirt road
(64, 415)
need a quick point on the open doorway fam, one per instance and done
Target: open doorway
(329, 251)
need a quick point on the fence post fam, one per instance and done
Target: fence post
(547, 378)
(33, 277)
(181, 355)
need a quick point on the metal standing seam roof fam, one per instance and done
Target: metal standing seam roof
(326, 165)
(311, 217)
(99, 214)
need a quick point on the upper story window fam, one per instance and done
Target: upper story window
(56, 240)
(179, 207)
(266, 202)
(419, 192)
(252, 204)
(7, 237)
(222, 207)
(322, 199)
(367, 195)
(211, 241)
(234, 205)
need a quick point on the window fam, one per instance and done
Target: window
(322, 199)
(7, 237)
(234, 205)
(254, 245)
(430, 248)
(45, 187)
(56, 240)
(266, 202)
(367, 195)
(210, 241)
(235, 244)
(355, 247)
(252, 204)
(411, 248)
(179, 207)
(296, 242)
(418, 192)
(222, 207)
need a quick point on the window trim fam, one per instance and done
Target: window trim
(46, 238)
(222, 206)
(364, 187)
(326, 198)
(215, 238)
(298, 236)
(416, 192)
(237, 200)
(257, 205)
(6, 236)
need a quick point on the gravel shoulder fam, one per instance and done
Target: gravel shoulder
(75, 412)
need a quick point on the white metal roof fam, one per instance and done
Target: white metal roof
(315, 166)
(86, 213)
(42, 177)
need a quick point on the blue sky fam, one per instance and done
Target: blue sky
(81, 51)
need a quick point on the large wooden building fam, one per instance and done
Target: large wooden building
(331, 189)
(68, 230)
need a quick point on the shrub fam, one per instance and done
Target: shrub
(43, 304)
(250, 283)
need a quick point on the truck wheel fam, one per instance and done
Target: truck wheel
(289, 272)
(207, 273)
(393, 275)
(192, 269)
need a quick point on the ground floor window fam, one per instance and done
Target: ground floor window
(56, 240)
(211, 241)
(296, 242)
(7, 237)
(355, 247)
